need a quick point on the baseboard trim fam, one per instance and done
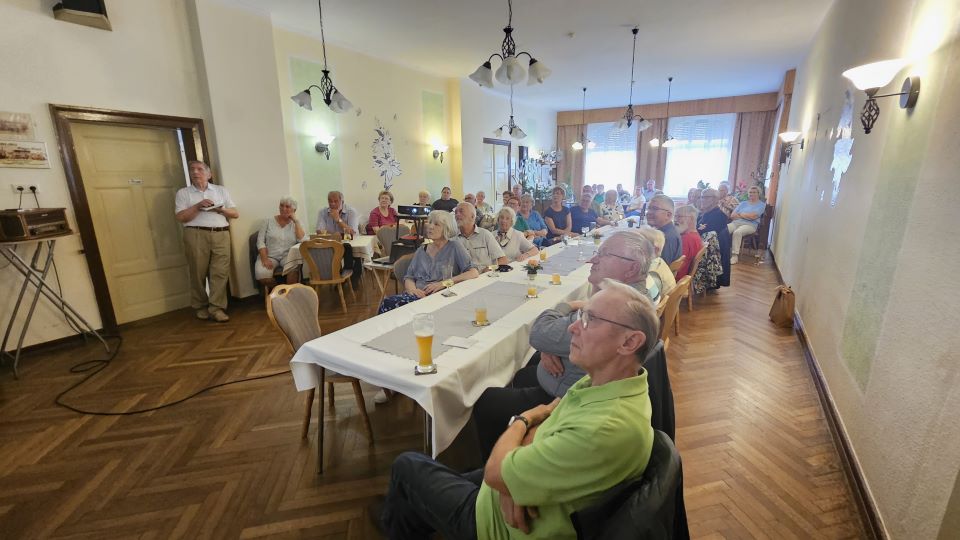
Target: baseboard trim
(866, 506)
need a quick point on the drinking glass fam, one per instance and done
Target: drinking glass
(480, 312)
(423, 331)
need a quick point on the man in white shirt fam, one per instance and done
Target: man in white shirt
(337, 218)
(480, 243)
(204, 208)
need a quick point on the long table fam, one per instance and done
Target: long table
(463, 374)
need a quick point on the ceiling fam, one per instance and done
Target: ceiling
(712, 48)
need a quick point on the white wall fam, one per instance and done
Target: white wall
(873, 274)
(482, 112)
(145, 64)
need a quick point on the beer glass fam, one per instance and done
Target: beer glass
(423, 331)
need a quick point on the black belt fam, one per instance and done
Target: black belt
(211, 229)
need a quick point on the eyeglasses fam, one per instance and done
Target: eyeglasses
(602, 253)
(585, 317)
(654, 209)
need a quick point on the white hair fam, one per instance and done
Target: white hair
(639, 248)
(290, 201)
(509, 212)
(640, 314)
(446, 222)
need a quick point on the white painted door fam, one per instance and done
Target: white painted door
(496, 172)
(130, 176)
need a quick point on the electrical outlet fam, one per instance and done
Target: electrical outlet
(33, 188)
(19, 188)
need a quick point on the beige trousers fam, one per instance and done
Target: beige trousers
(208, 255)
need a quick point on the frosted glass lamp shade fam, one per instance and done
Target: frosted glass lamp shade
(483, 75)
(499, 132)
(670, 143)
(538, 72)
(326, 139)
(621, 124)
(303, 99)
(591, 145)
(789, 136)
(511, 71)
(338, 103)
(644, 124)
(517, 133)
(577, 145)
(655, 142)
(875, 75)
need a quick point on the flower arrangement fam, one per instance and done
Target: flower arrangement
(532, 266)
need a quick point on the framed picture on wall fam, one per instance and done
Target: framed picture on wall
(16, 126)
(24, 154)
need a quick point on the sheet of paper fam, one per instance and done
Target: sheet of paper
(459, 342)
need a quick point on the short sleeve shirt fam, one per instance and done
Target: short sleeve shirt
(451, 260)
(327, 221)
(482, 247)
(278, 240)
(750, 208)
(582, 218)
(535, 222)
(559, 218)
(596, 438)
(513, 243)
(190, 195)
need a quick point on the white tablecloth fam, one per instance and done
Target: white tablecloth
(463, 374)
(362, 249)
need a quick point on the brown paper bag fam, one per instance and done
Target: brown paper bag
(781, 313)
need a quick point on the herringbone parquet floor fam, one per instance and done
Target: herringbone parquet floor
(758, 458)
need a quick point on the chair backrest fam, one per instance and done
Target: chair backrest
(401, 265)
(386, 236)
(324, 258)
(675, 265)
(672, 306)
(293, 310)
(696, 260)
(254, 253)
(643, 508)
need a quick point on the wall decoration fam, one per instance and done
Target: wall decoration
(16, 126)
(24, 154)
(843, 147)
(384, 158)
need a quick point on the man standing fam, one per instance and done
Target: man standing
(480, 243)
(204, 208)
(650, 191)
(660, 215)
(337, 218)
(551, 460)
(445, 202)
(625, 258)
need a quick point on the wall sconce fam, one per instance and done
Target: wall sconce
(788, 141)
(871, 77)
(323, 145)
(439, 150)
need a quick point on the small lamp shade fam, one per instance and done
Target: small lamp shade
(483, 75)
(655, 142)
(670, 143)
(338, 103)
(517, 133)
(538, 72)
(621, 124)
(875, 75)
(577, 145)
(644, 124)
(326, 139)
(511, 71)
(303, 99)
(789, 136)
(499, 132)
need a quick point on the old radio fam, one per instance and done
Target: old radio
(33, 224)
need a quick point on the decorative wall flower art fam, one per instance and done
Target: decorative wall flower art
(384, 157)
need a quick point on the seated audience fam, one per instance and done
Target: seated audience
(686, 221)
(445, 202)
(636, 204)
(746, 219)
(517, 191)
(650, 190)
(693, 196)
(583, 215)
(483, 207)
(552, 460)
(470, 199)
(435, 266)
(623, 196)
(598, 194)
(712, 220)
(277, 235)
(610, 211)
(536, 227)
(338, 218)
(727, 202)
(480, 243)
(515, 246)
(423, 199)
(660, 273)
(624, 257)
(557, 217)
(588, 189)
(384, 215)
(506, 196)
(660, 215)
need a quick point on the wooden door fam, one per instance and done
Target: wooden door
(130, 178)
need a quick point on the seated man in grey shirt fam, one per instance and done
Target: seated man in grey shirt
(337, 218)
(625, 256)
(480, 243)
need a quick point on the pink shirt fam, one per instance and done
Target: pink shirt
(377, 219)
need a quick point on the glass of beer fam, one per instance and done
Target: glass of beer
(555, 279)
(480, 313)
(423, 331)
(543, 255)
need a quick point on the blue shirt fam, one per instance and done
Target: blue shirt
(746, 207)
(451, 260)
(535, 222)
(559, 219)
(582, 218)
(327, 222)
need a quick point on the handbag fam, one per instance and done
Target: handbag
(781, 312)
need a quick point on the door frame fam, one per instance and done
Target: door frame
(509, 145)
(195, 147)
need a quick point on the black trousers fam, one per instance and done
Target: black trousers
(496, 405)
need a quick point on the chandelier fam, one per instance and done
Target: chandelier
(331, 96)
(629, 116)
(511, 71)
(667, 141)
(579, 143)
(512, 128)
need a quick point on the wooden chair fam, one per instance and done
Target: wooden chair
(681, 290)
(693, 272)
(675, 265)
(671, 310)
(293, 311)
(758, 240)
(386, 236)
(325, 260)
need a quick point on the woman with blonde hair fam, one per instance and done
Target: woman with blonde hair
(685, 218)
(515, 245)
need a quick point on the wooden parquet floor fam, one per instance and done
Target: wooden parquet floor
(758, 458)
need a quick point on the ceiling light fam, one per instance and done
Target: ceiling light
(871, 77)
(668, 141)
(579, 143)
(628, 115)
(511, 70)
(789, 136)
(331, 96)
(655, 142)
(512, 128)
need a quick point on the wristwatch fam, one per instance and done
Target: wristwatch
(519, 417)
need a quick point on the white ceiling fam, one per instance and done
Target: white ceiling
(712, 48)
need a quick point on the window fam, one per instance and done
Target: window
(703, 152)
(614, 158)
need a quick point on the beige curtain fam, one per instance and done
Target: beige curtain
(751, 145)
(570, 169)
(651, 161)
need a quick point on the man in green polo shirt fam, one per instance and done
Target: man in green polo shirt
(551, 460)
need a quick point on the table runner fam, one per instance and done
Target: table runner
(566, 261)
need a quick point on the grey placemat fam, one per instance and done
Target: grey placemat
(566, 261)
(454, 320)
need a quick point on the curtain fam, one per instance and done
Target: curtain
(702, 151)
(613, 157)
(570, 169)
(651, 161)
(751, 145)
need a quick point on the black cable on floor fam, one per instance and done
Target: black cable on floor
(96, 366)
